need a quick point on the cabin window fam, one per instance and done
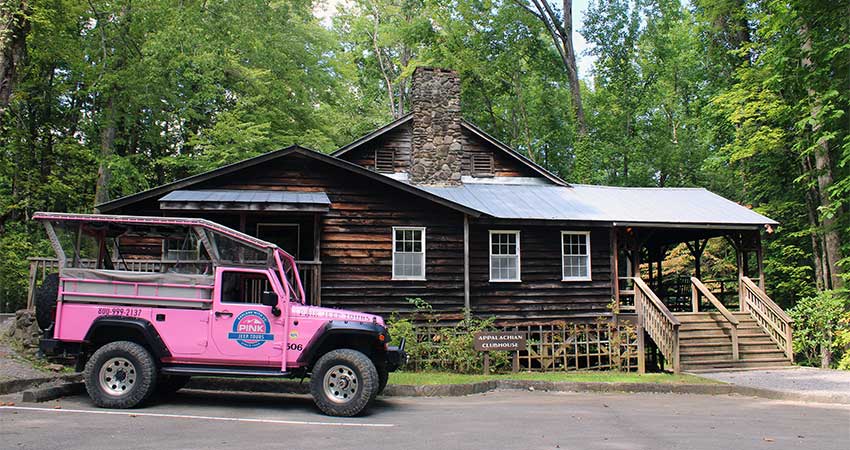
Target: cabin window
(504, 256)
(575, 252)
(408, 253)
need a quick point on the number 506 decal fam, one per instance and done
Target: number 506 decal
(296, 347)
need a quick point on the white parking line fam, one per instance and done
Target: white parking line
(187, 416)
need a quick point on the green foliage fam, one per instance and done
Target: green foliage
(443, 347)
(822, 325)
(739, 97)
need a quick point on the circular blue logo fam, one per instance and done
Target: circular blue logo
(251, 329)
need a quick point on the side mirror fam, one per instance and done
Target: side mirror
(269, 298)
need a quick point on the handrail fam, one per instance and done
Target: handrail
(768, 302)
(661, 325)
(656, 301)
(699, 288)
(770, 316)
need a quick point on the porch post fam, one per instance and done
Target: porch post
(739, 254)
(466, 301)
(660, 274)
(697, 249)
(760, 261)
(615, 268)
(317, 269)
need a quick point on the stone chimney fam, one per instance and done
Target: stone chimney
(437, 146)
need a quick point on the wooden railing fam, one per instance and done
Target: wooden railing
(699, 290)
(658, 322)
(309, 271)
(774, 321)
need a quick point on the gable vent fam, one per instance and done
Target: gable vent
(482, 165)
(384, 158)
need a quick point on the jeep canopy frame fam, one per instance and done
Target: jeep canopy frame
(223, 245)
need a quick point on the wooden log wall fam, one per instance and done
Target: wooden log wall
(356, 250)
(541, 295)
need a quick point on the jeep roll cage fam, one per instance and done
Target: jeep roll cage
(218, 245)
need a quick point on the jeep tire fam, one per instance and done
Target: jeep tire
(120, 375)
(343, 382)
(45, 300)
(383, 378)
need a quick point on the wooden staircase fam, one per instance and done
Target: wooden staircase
(757, 337)
(705, 343)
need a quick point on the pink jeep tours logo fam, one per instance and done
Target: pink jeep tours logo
(251, 329)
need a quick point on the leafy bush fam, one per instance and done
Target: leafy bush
(822, 329)
(444, 347)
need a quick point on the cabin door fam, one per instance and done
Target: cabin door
(245, 332)
(285, 235)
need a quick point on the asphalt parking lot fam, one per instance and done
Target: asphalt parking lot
(498, 420)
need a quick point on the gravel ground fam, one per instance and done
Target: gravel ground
(803, 380)
(11, 365)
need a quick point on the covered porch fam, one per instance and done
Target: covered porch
(698, 318)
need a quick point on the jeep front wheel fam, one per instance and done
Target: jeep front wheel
(343, 382)
(120, 374)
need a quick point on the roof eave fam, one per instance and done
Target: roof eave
(371, 135)
(189, 181)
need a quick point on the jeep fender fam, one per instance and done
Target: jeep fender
(376, 335)
(122, 327)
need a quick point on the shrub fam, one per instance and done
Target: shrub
(443, 347)
(822, 329)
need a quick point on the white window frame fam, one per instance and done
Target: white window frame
(518, 256)
(424, 256)
(564, 276)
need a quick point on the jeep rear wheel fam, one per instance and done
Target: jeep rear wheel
(120, 375)
(343, 382)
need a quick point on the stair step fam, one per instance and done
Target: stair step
(731, 363)
(748, 347)
(706, 356)
(687, 341)
(755, 354)
(703, 343)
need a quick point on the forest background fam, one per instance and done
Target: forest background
(104, 98)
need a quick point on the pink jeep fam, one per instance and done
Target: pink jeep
(220, 303)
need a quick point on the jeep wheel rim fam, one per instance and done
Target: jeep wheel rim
(117, 376)
(341, 384)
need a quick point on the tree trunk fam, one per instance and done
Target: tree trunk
(561, 32)
(14, 26)
(107, 142)
(823, 172)
(812, 211)
(572, 71)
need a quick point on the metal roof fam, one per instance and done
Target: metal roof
(246, 196)
(620, 205)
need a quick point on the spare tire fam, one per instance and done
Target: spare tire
(45, 300)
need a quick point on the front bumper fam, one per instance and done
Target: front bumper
(396, 357)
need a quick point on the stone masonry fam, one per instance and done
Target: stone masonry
(437, 146)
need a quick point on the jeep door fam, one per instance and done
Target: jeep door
(244, 331)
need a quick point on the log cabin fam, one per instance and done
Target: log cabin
(430, 206)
